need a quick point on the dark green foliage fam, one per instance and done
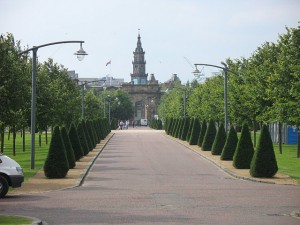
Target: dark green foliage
(56, 164)
(155, 124)
(73, 135)
(82, 138)
(174, 126)
(209, 136)
(185, 128)
(68, 147)
(179, 127)
(92, 132)
(244, 151)
(219, 141)
(97, 130)
(114, 124)
(168, 125)
(191, 124)
(202, 133)
(230, 145)
(195, 132)
(264, 162)
(87, 136)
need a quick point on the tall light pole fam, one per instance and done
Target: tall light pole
(226, 70)
(80, 55)
(82, 95)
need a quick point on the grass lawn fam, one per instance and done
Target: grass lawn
(287, 162)
(14, 220)
(23, 158)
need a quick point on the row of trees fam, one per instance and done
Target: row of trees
(266, 87)
(59, 97)
(262, 162)
(70, 145)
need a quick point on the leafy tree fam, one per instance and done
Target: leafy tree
(264, 163)
(56, 164)
(209, 136)
(68, 147)
(230, 145)
(219, 141)
(14, 72)
(244, 151)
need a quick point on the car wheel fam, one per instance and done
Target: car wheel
(3, 186)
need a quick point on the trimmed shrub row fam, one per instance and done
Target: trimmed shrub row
(262, 162)
(156, 124)
(67, 147)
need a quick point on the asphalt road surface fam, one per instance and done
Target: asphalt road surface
(144, 177)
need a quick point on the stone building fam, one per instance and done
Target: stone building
(145, 94)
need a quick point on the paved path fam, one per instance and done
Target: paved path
(144, 177)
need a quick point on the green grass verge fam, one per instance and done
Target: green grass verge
(287, 162)
(14, 220)
(23, 158)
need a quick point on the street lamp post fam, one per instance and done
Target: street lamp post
(226, 70)
(80, 55)
(82, 95)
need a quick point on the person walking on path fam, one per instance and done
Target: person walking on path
(121, 125)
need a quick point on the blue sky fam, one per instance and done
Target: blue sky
(171, 31)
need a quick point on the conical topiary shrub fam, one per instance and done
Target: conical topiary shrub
(202, 133)
(230, 145)
(209, 136)
(68, 147)
(219, 141)
(87, 136)
(185, 128)
(82, 139)
(188, 135)
(91, 132)
(56, 164)
(195, 132)
(244, 151)
(73, 135)
(174, 127)
(179, 128)
(264, 162)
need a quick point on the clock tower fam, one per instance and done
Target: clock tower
(139, 75)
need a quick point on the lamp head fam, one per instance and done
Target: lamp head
(80, 53)
(196, 72)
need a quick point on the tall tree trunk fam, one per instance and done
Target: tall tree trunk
(40, 139)
(254, 132)
(8, 136)
(23, 134)
(280, 137)
(14, 140)
(46, 135)
(2, 138)
(298, 152)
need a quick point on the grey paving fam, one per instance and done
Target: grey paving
(143, 177)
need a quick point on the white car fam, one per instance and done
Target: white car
(11, 174)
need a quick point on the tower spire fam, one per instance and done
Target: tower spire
(139, 75)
